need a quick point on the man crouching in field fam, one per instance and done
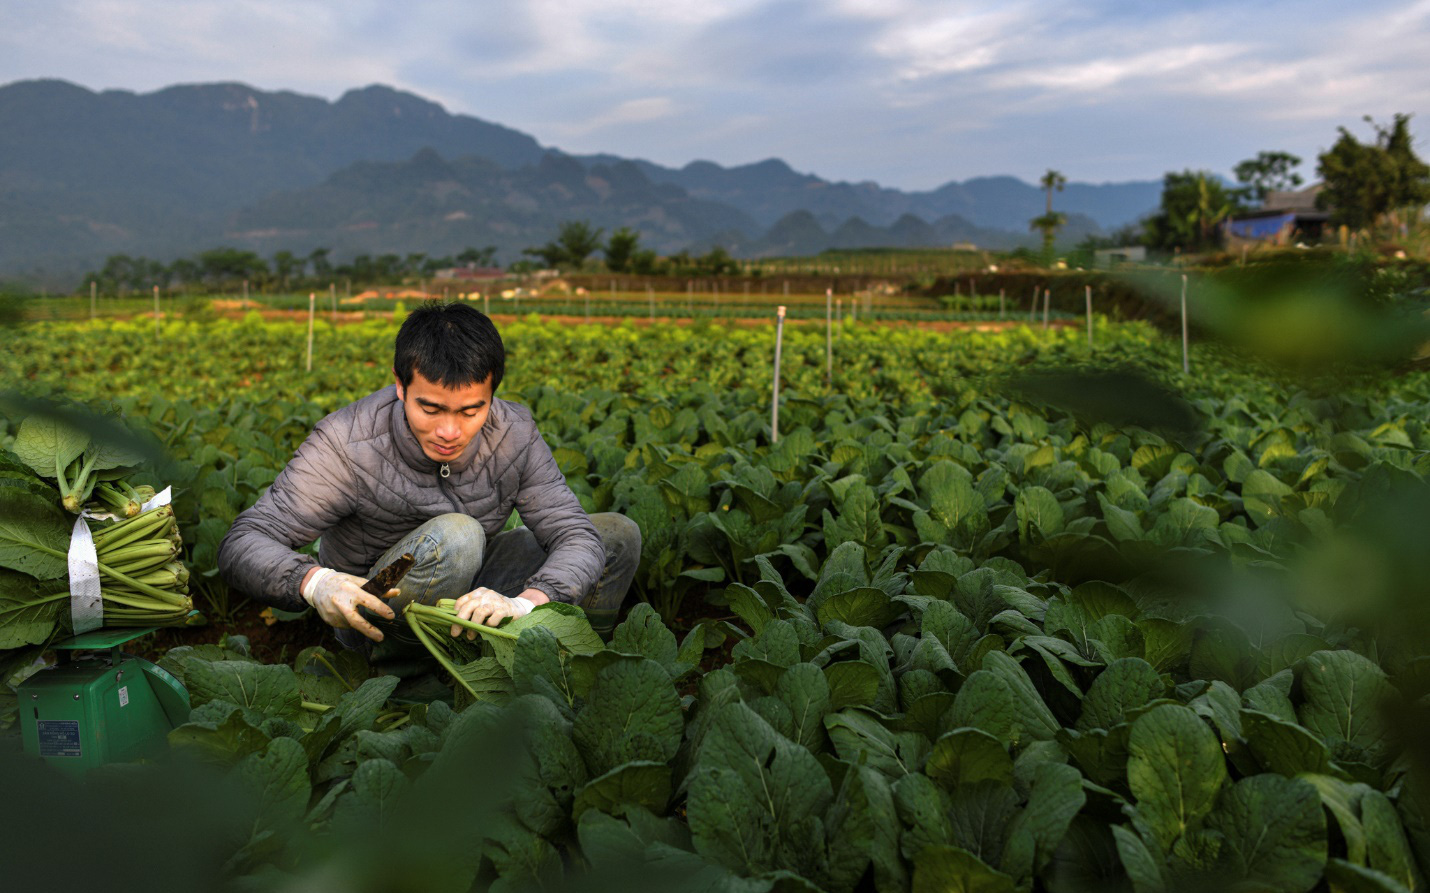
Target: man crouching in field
(432, 465)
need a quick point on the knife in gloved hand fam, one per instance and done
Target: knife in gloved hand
(389, 577)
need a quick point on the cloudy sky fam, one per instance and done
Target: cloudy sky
(910, 93)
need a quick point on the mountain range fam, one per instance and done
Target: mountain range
(86, 174)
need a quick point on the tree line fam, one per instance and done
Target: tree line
(1365, 186)
(228, 269)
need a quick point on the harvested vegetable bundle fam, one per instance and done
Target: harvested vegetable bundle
(142, 582)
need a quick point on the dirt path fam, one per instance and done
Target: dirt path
(349, 317)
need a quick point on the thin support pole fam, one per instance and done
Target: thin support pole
(312, 311)
(1047, 300)
(1186, 358)
(93, 300)
(1088, 291)
(156, 313)
(333, 293)
(829, 337)
(775, 399)
(1002, 303)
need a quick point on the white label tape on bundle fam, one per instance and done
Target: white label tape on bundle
(163, 497)
(86, 608)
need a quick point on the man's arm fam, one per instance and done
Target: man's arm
(310, 495)
(575, 557)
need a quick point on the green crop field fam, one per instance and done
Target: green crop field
(989, 611)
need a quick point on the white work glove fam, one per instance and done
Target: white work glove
(337, 596)
(488, 607)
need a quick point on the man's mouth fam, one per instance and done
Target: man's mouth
(444, 450)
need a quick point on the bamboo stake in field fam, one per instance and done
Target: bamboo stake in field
(156, 313)
(333, 293)
(1186, 358)
(312, 308)
(93, 299)
(650, 297)
(1088, 291)
(1002, 304)
(245, 291)
(829, 337)
(775, 399)
(487, 303)
(1047, 300)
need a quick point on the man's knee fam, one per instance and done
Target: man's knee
(448, 550)
(456, 534)
(620, 535)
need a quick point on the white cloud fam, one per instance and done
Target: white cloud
(632, 111)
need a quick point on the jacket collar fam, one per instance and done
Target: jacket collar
(479, 450)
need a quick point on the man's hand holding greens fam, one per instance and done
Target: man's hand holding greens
(488, 607)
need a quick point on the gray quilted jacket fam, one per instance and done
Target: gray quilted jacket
(362, 482)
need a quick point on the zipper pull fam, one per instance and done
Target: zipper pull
(446, 470)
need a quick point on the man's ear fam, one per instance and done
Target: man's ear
(401, 391)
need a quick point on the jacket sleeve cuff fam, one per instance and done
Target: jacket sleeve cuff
(293, 587)
(553, 589)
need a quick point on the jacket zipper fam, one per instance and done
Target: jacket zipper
(442, 476)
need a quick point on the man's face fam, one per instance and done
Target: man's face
(445, 419)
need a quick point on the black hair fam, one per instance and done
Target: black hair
(452, 345)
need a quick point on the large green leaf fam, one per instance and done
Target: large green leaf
(1124, 686)
(755, 799)
(29, 608)
(1275, 833)
(859, 738)
(277, 777)
(567, 622)
(1175, 769)
(965, 756)
(541, 667)
(948, 869)
(1054, 798)
(267, 688)
(34, 533)
(644, 633)
(1035, 719)
(1039, 514)
(1345, 697)
(1283, 747)
(804, 689)
(48, 445)
(640, 783)
(632, 713)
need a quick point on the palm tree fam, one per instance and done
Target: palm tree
(1051, 221)
(1052, 180)
(1213, 206)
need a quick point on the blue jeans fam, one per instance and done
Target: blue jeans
(453, 556)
